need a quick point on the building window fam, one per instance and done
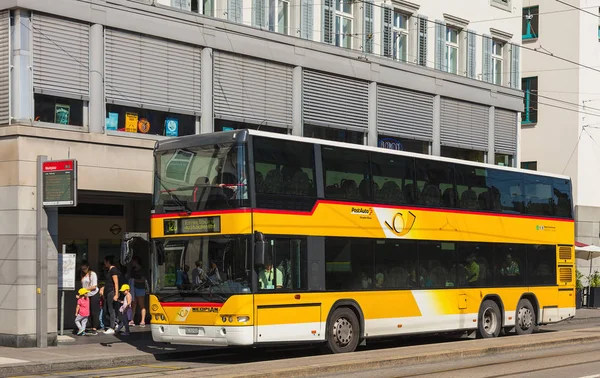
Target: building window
(205, 7)
(60, 110)
(531, 22)
(502, 4)
(504, 160)
(402, 144)
(451, 54)
(225, 125)
(283, 17)
(497, 61)
(463, 154)
(400, 30)
(343, 23)
(146, 121)
(531, 165)
(337, 135)
(529, 85)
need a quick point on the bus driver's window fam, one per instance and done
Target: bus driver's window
(269, 277)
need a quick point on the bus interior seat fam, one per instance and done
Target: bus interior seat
(484, 201)
(273, 182)
(350, 189)
(300, 184)
(390, 192)
(364, 189)
(409, 193)
(468, 199)
(449, 197)
(431, 195)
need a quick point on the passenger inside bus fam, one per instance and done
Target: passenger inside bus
(269, 278)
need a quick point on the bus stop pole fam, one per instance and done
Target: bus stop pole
(62, 301)
(41, 308)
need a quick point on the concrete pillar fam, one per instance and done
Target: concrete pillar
(206, 95)
(491, 156)
(436, 148)
(97, 105)
(21, 76)
(297, 126)
(372, 138)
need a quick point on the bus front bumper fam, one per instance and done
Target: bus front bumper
(202, 335)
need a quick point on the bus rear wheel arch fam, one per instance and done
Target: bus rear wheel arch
(525, 317)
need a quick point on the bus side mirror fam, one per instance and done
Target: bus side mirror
(159, 252)
(260, 248)
(126, 252)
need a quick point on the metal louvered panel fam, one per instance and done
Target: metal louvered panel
(565, 253)
(152, 72)
(331, 100)
(252, 89)
(464, 124)
(505, 131)
(4, 67)
(60, 56)
(404, 113)
(565, 275)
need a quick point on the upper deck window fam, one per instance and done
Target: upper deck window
(201, 178)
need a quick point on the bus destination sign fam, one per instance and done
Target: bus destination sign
(59, 183)
(198, 225)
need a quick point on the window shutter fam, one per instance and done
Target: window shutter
(368, 27)
(306, 22)
(260, 9)
(386, 32)
(5, 67)
(422, 42)
(487, 59)
(182, 4)
(440, 44)
(514, 66)
(234, 10)
(328, 23)
(471, 54)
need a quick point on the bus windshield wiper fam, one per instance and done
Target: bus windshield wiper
(175, 199)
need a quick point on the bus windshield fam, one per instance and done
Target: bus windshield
(205, 268)
(211, 177)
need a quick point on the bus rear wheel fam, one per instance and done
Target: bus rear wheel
(490, 323)
(343, 331)
(525, 322)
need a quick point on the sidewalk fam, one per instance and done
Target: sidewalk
(101, 351)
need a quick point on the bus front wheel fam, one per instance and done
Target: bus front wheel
(343, 331)
(525, 318)
(490, 323)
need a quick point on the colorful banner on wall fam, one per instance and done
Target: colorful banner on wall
(143, 125)
(171, 127)
(131, 122)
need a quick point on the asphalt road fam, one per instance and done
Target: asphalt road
(571, 361)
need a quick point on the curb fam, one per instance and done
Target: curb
(65, 366)
(369, 364)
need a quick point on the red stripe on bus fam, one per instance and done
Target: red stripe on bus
(360, 204)
(211, 212)
(190, 304)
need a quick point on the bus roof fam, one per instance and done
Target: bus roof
(241, 135)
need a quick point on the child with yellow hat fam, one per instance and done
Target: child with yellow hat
(82, 311)
(126, 304)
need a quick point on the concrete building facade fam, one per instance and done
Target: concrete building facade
(561, 119)
(100, 81)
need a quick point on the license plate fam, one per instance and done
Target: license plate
(192, 331)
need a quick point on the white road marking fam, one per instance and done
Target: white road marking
(591, 376)
(7, 361)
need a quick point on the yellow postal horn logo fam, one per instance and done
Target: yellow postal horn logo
(401, 223)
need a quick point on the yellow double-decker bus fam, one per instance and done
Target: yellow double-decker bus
(261, 238)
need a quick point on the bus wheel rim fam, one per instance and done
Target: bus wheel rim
(342, 331)
(525, 318)
(490, 321)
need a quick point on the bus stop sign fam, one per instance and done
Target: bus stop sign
(59, 183)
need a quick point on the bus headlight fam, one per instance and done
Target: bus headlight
(231, 319)
(243, 319)
(224, 319)
(162, 317)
